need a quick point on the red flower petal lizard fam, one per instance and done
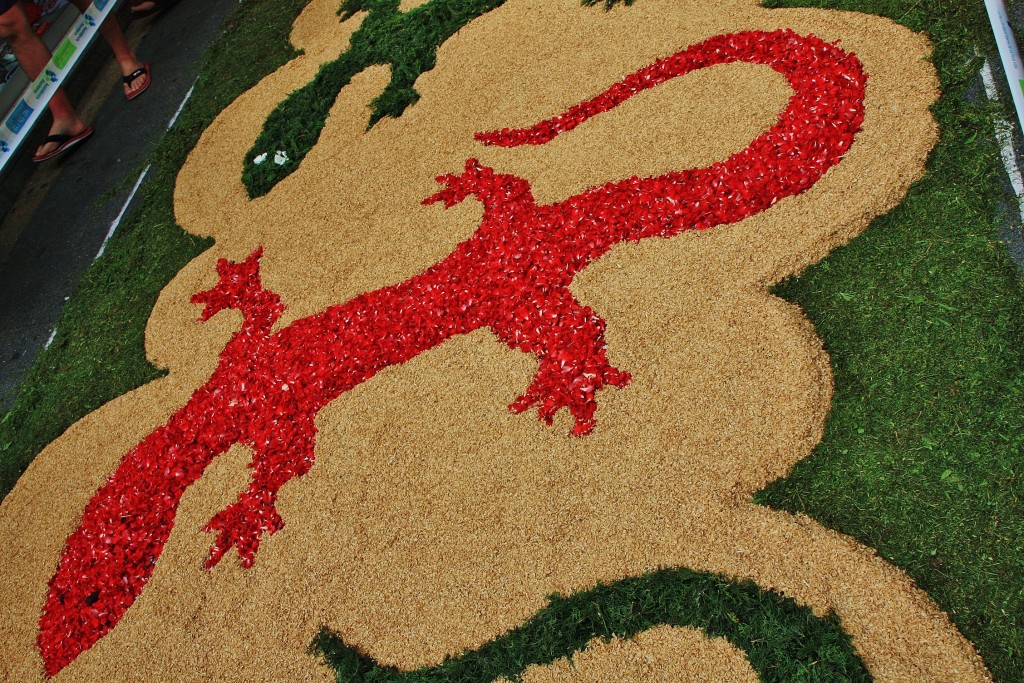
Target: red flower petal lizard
(512, 276)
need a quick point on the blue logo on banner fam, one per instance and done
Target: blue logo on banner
(4, 147)
(51, 75)
(89, 19)
(19, 117)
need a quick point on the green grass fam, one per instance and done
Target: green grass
(783, 642)
(923, 316)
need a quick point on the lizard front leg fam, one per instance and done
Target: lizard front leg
(568, 340)
(283, 448)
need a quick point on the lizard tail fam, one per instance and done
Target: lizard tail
(807, 61)
(812, 134)
(109, 559)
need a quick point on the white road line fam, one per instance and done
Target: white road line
(989, 80)
(181, 107)
(1005, 138)
(142, 176)
(124, 209)
(53, 335)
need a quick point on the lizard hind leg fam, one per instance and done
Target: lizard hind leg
(498, 192)
(285, 452)
(568, 341)
(555, 387)
(473, 180)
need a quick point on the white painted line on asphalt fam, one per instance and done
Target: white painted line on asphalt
(53, 335)
(124, 209)
(188, 96)
(142, 176)
(1005, 138)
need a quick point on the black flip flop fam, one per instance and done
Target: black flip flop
(133, 76)
(65, 143)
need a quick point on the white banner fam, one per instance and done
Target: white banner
(22, 117)
(1009, 54)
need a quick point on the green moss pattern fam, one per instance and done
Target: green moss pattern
(784, 643)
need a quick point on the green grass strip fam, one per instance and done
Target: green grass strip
(405, 41)
(923, 316)
(783, 642)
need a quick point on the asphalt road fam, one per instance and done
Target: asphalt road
(58, 224)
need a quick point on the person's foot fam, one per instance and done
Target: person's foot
(135, 78)
(60, 128)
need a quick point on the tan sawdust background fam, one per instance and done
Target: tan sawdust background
(663, 654)
(434, 520)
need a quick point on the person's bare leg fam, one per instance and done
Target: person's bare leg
(33, 57)
(123, 53)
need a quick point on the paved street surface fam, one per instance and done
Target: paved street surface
(59, 222)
